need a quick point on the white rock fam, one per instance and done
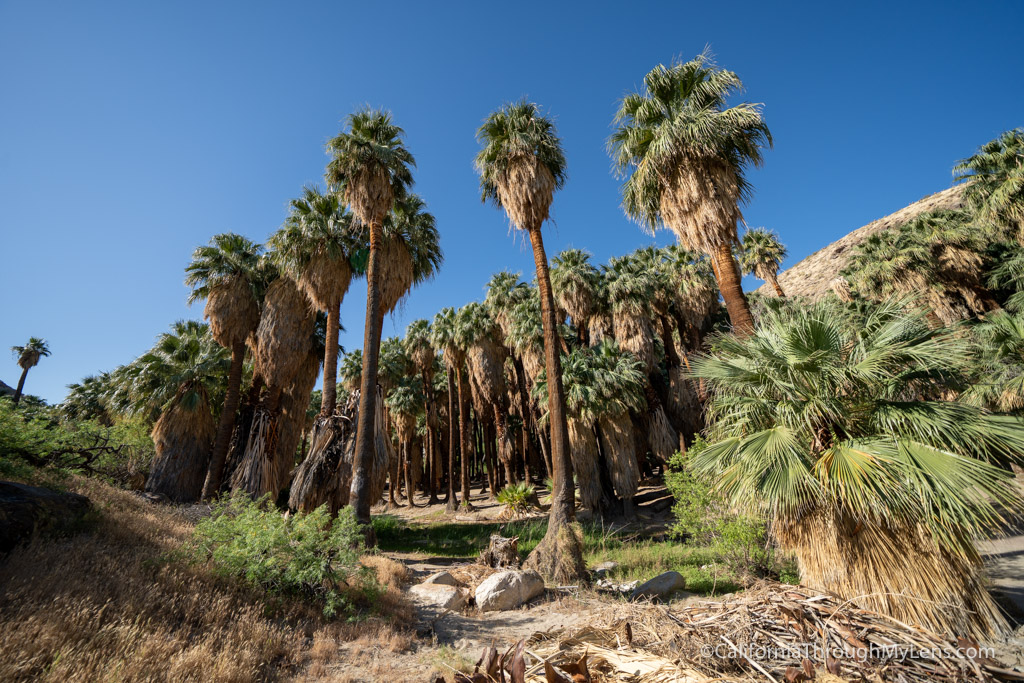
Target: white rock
(509, 589)
(439, 595)
(441, 578)
(660, 587)
(604, 569)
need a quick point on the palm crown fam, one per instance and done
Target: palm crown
(678, 138)
(761, 253)
(813, 410)
(370, 165)
(521, 163)
(995, 181)
(29, 354)
(226, 257)
(315, 244)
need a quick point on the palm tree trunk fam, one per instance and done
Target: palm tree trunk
(559, 555)
(773, 278)
(452, 503)
(727, 273)
(21, 386)
(227, 423)
(363, 460)
(464, 435)
(330, 395)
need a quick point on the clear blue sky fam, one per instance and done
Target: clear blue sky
(132, 132)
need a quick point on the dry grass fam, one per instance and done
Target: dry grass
(106, 604)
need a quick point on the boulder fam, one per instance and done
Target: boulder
(508, 589)
(27, 510)
(441, 578)
(439, 596)
(660, 587)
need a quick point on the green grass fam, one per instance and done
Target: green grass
(639, 558)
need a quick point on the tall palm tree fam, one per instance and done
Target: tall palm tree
(831, 426)
(684, 155)
(179, 381)
(227, 273)
(761, 254)
(314, 247)
(575, 282)
(994, 180)
(28, 357)
(521, 165)
(370, 167)
(443, 338)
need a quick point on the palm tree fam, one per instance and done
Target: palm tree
(994, 180)
(371, 168)
(684, 155)
(314, 248)
(831, 425)
(935, 256)
(227, 273)
(1009, 275)
(421, 351)
(480, 336)
(998, 376)
(89, 400)
(521, 165)
(761, 254)
(443, 338)
(28, 357)
(179, 381)
(575, 282)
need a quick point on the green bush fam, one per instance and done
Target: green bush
(517, 497)
(307, 556)
(702, 518)
(36, 438)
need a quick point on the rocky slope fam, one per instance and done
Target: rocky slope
(812, 276)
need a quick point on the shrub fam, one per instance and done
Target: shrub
(516, 498)
(37, 438)
(308, 556)
(703, 518)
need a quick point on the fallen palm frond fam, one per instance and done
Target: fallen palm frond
(771, 632)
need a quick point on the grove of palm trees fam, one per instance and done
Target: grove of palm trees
(860, 445)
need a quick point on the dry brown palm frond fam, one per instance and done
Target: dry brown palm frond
(182, 439)
(895, 570)
(259, 471)
(684, 402)
(663, 439)
(525, 190)
(323, 478)
(369, 193)
(618, 443)
(292, 423)
(842, 290)
(325, 280)
(284, 333)
(701, 205)
(232, 311)
(599, 326)
(384, 453)
(636, 335)
(396, 274)
(584, 451)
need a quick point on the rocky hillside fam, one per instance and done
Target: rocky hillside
(812, 276)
